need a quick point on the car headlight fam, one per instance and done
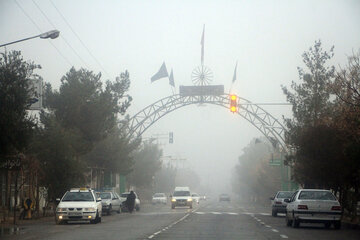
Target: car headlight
(89, 209)
(189, 200)
(61, 209)
(173, 200)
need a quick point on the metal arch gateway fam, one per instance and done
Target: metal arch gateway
(257, 116)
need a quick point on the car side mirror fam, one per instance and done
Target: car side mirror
(57, 200)
(287, 200)
(98, 199)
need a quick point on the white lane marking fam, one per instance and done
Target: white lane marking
(200, 213)
(164, 229)
(232, 213)
(268, 226)
(215, 213)
(265, 214)
(283, 236)
(274, 230)
(262, 223)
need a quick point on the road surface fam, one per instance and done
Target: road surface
(208, 220)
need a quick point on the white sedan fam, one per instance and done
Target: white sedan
(159, 198)
(313, 206)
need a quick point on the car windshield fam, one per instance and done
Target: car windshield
(105, 195)
(317, 195)
(78, 197)
(156, 195)
(284, 194)
(181, 193)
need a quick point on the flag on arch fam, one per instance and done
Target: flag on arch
(234, 76)
(171, 79)
(161, 73)
(202, 45)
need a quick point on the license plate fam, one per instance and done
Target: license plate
(75, 213)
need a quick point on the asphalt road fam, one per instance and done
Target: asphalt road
(209, 220)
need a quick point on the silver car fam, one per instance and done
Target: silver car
(110, 202)
(313, 206)
(277, 202)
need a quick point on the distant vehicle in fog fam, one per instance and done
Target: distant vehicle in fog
(224, 197)
(278, 205)
(181, 197)
(159, 198)
(195, 197)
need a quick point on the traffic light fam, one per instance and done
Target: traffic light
(233, 103)
(171, 137)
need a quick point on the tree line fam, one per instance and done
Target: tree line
(82, 125)
(322, 136)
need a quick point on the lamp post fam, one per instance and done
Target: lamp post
(50, 34)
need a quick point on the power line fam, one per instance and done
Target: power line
(23, 10)
(87, 49)
(67, 43)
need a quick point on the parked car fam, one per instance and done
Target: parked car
(181, 197)
(79, 204)
(224, 197)
(278, 205)
(159, 198)
(195, 197)
(110, 202)
(313, 206)
(123, 197)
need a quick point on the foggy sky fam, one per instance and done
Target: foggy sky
(267, 39)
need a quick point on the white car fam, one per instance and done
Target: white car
(195, 197)
(110, 201)
(79, 204)
(278, 205)
(313, 206)
(159, 198)
(123, 197)
(181, 197)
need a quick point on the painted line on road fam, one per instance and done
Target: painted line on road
(265, 214)
(217, 213)
(274, 230)
(283, 236)
(166, 228)
(268, 226)
(231, 213)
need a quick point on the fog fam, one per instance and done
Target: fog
(267, 39)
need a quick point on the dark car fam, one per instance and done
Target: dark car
(224, 197)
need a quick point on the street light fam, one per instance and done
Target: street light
(50, 34)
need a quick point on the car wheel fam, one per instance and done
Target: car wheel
(137, 208)
(96, 220)
(172, 206)
(337, 224)
(119, 210)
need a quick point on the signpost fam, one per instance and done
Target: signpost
(36, 91)
(201, 90)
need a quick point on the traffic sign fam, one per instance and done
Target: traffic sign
(36, 94)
